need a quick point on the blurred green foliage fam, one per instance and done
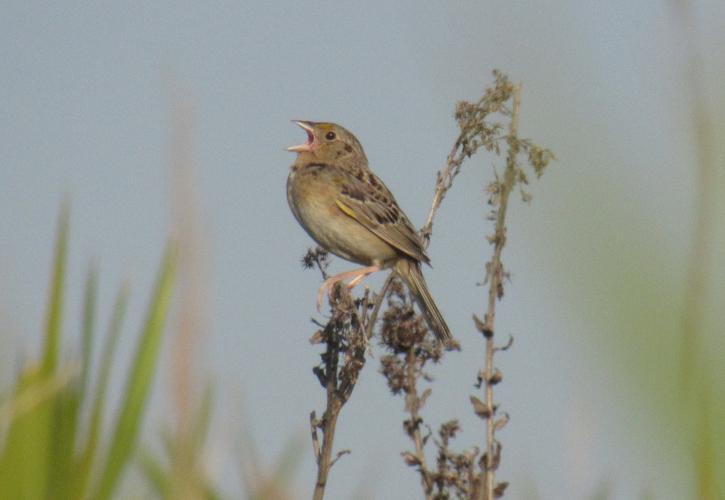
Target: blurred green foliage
(180, 473)
(54, 440)
(51, 422)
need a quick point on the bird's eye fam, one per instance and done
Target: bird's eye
(330, 136)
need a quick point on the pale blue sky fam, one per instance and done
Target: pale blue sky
(85, 111)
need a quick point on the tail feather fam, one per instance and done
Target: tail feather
(409, 271)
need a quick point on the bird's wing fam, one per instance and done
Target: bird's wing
(364, 197)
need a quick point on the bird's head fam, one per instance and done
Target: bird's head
(328, 143)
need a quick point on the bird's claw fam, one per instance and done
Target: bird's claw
(325, 289)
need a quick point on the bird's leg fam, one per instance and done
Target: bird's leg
(357, 276)
(357, 279)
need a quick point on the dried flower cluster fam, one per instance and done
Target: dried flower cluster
(410, 347)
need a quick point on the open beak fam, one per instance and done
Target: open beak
(307, 146)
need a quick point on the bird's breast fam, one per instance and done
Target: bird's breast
(312, 199)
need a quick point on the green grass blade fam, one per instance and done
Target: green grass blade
(106, 362)
(210, 493)
(55, 303)
(139, 382)
(89, 323)
(32, 440)
(88, 456)
(82, 474)
(64, 429)
(705, 449)
(25, 459)
(156, 475)
(63, 468)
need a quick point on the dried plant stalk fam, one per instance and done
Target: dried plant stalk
(499, 192)
(495, 275)
(479, 128)
(411, 346)
(345, 339)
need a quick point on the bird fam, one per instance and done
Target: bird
(348, 211)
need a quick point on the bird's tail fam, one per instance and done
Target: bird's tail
(409, 271)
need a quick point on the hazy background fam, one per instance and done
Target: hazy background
(598, 260)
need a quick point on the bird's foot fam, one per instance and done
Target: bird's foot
(357, 276)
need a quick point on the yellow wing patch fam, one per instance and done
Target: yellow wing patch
(345, 209)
